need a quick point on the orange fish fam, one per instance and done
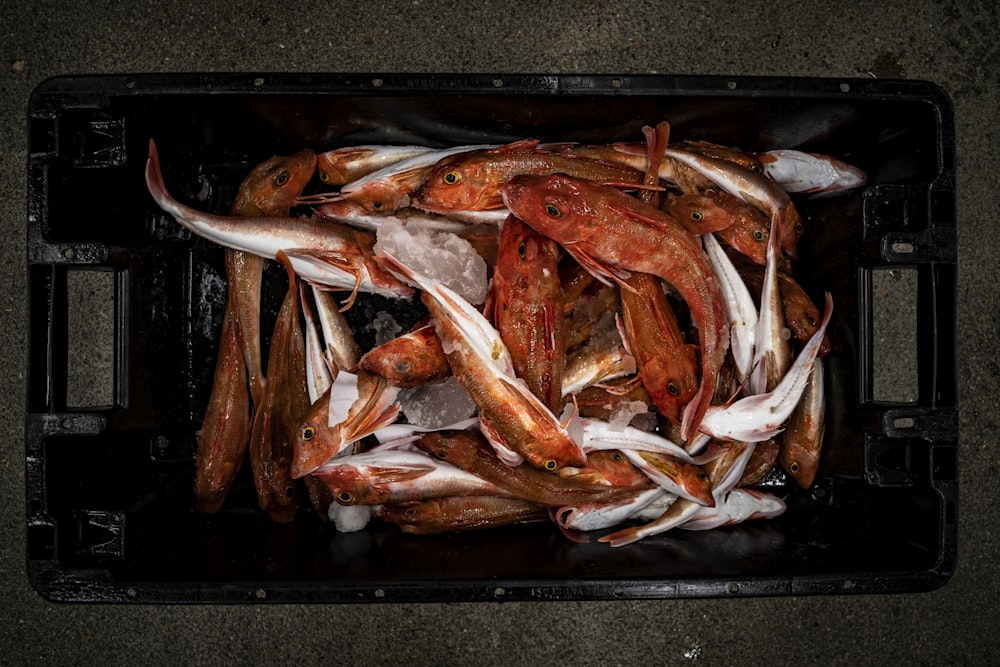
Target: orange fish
(612, 234)
(528, 311)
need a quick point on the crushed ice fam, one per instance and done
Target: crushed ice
(349, 518)
(436, 405)
(442, 256)
(385, 327)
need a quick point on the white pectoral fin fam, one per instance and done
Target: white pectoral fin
(343, 395)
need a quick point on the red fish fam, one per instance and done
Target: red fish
(528, 310)
(459, 514)
(611, 234)
(286, 399)
(269, 189)
(472, 181)
(412, 360)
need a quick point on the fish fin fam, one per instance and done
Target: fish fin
(380, 409)
(667, 225)
(506, 455)
(605, 273)
(630, 148)
(520, 146)
(391, 474)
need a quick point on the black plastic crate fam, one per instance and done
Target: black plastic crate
(110, 512)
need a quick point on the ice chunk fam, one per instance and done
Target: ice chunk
(436, 405)
(385, 327)
(442, 256)
(349, 518)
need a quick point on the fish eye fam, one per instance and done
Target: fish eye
(324, 177)
(451, 178)
(550, 464)
(758, 235)
(281, 178)
(553, 210)
(289, 492)
(403, 366)
(811, 320)
(221, 491)
(793, 467)
(673, 389)
(616, 456)
(409, 512)
(703, 476)
(308, 432)
(697, 216)
(441, 455)
(345, 498)
(521, 250)
(799, 228)
(377, 205)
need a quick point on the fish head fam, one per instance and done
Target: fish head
(275, 183)
(211, 485)
(315, 441)
(350, 485)
(565, 209)
(698, 212)
(330, 164)
(802, 317)
(379, 197)
(462, 182)
(612, 467)
(458, 448)
(408, 361)
(800, 462)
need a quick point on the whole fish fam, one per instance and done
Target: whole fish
(760, 417)
(469, 451)
(472, 181)
(322, 253)
(597, 516)
(739, 505)
(685, 480)
(397, 476)
(796, 171)
(368, 405)
(459, 514)
(528, 310)
(515, 422)
(411, 360)
(389, 188)
(733, 221)
(667, 364)
(269, 189)
(611, 234)
(343, 165)
(803, 437)
(772, 353)
(225, 429)
(285, 400)
(753, 188)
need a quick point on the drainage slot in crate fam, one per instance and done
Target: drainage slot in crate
(894, 335)
(91, 338)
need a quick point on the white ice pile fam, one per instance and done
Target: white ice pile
(349, 518)
(442, 256)
(436, 405)
(627, 412)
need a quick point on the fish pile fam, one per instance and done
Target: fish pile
(614, 332)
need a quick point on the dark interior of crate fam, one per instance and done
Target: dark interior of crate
(120, 500)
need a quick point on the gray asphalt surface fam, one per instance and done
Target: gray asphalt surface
(953, 44)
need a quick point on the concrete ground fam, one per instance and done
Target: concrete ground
(953, 44)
